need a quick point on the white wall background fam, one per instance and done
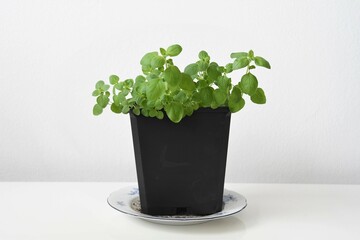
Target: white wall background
(53, 52)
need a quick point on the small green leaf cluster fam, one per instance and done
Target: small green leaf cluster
(163, 88)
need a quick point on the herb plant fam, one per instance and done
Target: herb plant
(164, 89)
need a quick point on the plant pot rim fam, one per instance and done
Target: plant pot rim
(201, 109)
(208, 109)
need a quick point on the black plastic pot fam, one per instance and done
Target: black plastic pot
(181, 166)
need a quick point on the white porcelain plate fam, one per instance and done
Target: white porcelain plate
(126, 200)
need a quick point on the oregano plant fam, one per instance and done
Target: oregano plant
(163, 88)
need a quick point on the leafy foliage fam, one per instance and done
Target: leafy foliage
(163, 88)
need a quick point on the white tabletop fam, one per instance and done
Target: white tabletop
(275, 211)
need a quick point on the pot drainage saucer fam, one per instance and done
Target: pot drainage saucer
(126, 200)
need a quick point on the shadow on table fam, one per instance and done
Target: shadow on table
(231, 224)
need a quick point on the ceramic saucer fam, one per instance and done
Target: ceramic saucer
(126, 200)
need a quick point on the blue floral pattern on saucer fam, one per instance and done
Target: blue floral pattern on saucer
(134, 191)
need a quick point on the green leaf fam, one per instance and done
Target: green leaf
(140, 79)
(142, 102)
(213, 64)
(203, 55)
(125, 109)
(99, 84)
(147, 58)
(163, 51)
(152, 113)
(96, 92)
(214, 105)
(116, 100)
(114, 79)
(202, 65)
(160, 115)
(262, 62)
(180, 97)
(146, 69)
(131, 101)
(221, 69)
(258, 97)
(125, 91)
(240, 63)
(119, 86)
(172, 76)
(236, 102)
(119, 99)
(116, 108)
(191, 69)
(158, 104)
(136, 111)
(152, 76)
(248, 84)
(196, 97)
(206, 96)
(219, 96)
(174, 50)
(251, 54)
(238, 55)
(186, 82)
(213, 72)
(157, 61)
(102, 100)
(201, 84)
(224, 83)
(129, 83)
(174, 111)
(104, 87)
(150, 104)
(166, 99)
(229, 68)
(170, 61)
(188, 111)
(97, 110)
(145, 112)
(155, 89)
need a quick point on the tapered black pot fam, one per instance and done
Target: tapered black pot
(181, 166)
